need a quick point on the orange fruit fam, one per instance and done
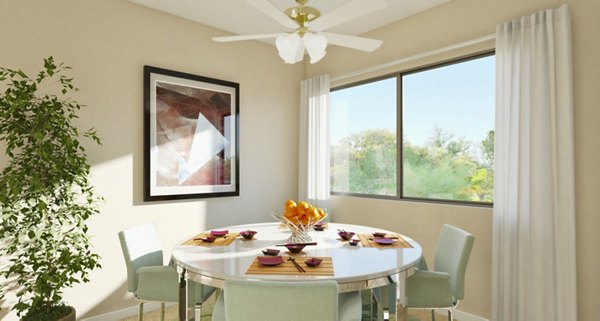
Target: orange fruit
(313, 214)
(289, 205)
(304, 219)
(302, 207)
(321, 212)
(289, 214)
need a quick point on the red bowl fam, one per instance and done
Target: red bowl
(295, 248)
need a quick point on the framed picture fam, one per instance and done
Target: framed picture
(191, 136)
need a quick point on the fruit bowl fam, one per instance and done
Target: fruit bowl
(299, 219)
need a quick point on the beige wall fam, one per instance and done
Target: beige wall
(458, 21)
(107, 43)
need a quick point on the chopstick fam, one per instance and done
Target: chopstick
(311, 243)
(298, 267)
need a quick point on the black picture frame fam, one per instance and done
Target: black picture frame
(191, 136)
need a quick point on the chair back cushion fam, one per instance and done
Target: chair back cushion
(264, 301)
(452, 255)
(141, 247)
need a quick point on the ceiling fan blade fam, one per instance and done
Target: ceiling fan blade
(347, 12)
(358, 43)
(272, 11)
(247, 37)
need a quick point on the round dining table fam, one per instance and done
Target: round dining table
(355, 267)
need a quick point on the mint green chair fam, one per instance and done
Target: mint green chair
(244, 300)
(147, 278)
(443, 287)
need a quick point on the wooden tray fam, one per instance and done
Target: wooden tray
(288, 268)
(366, 240)
(219, 241)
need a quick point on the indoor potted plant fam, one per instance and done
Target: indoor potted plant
(45, 193)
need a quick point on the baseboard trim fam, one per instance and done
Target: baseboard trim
(126, 312)
(153, 306)
(461, 316)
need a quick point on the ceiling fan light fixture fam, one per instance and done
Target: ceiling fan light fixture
(290, 48)
(315, 46)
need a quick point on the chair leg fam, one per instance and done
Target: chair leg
(198, 311)
(162, 311)
(141, 312)
(432, 315)
(450, 316)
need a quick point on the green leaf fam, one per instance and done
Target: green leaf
(46, 196)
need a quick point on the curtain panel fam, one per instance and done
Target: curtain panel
(533, 246)
(313, 179)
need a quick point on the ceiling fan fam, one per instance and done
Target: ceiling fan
(308, 27)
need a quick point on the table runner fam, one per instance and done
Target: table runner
(219, 241)
(366, 240)
(288, 268)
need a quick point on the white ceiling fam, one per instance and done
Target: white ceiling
(239, 17)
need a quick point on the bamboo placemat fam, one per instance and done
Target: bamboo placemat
(367, 241)
(288, 268)
(219, 241)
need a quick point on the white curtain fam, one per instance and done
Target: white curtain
(533, 247)
(313, 180)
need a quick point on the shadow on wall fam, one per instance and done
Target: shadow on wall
(119, 299)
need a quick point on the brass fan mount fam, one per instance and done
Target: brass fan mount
(302, 14)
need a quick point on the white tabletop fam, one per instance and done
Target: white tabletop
(355, 267)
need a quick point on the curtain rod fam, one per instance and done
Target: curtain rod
(414, 57)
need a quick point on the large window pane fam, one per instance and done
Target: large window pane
(363, 139)
(448, 122)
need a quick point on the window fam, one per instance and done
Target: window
(425, 134)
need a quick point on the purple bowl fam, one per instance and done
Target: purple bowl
(345, 235)
(271, 252)
(384, 241)
(379, 234)
(295, 248)
(208, 239)
(270, 260)
(319, 227)
(248, 235)
(312, 262)
(219, 233)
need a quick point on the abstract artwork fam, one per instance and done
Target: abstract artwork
(191, 136)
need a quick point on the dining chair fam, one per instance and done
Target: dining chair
(147, 278)
(443, 287)
(251, 300)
